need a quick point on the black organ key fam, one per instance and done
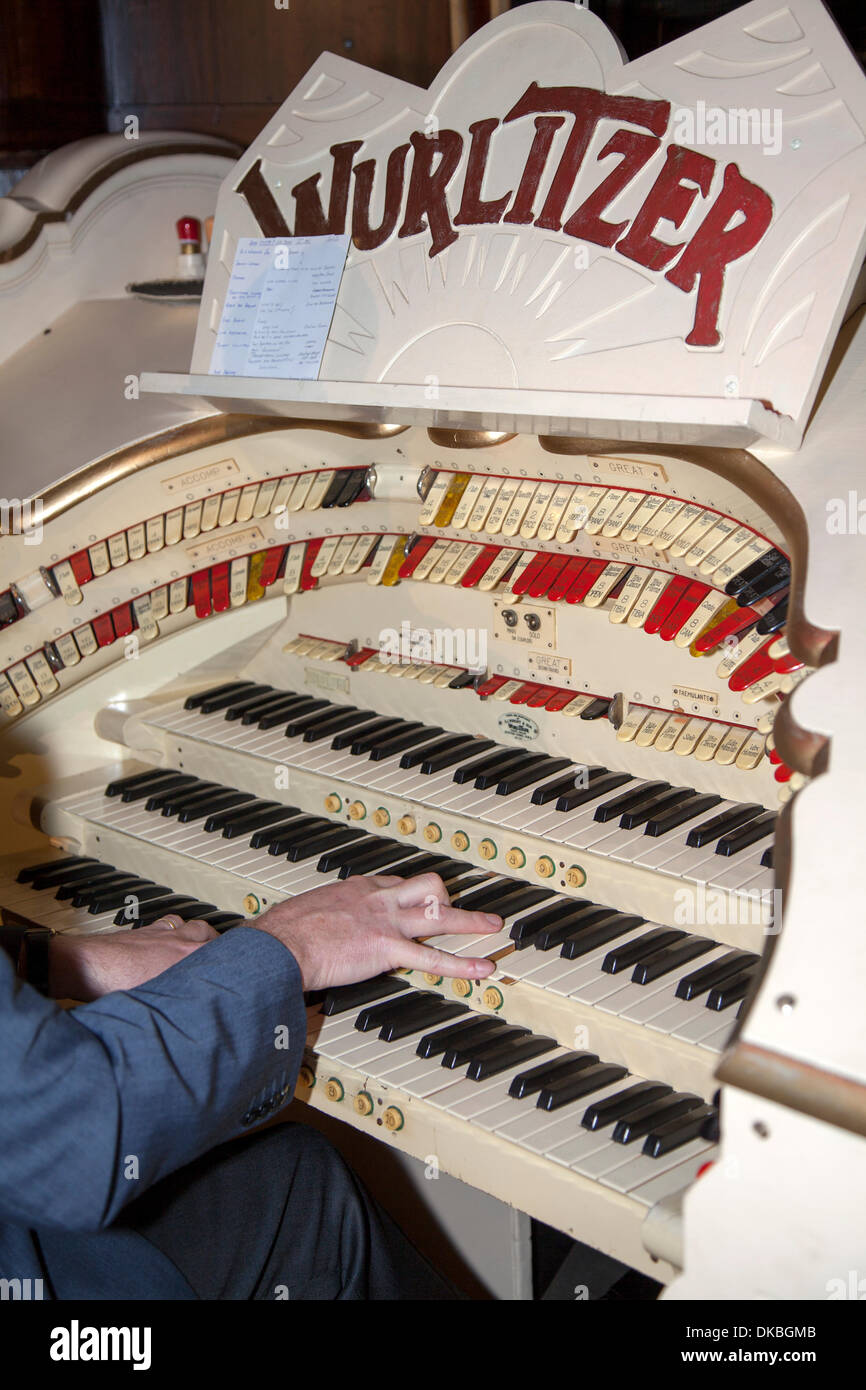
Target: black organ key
(630, 800)
(409, 738)
(774, 620)
(280, 838)
(446, 753)
(524, 777)
(336, 858)
(748, 834)
(345, 997)
(51, 866)
(82, 894)
(374, 1015)
(563, 1090)
(500, 1056)
(348, 737)
(177, 904)
(129, 914)
(128, 900)
(516, 763)
(251, 700)
(209, 805)
(627, 955)
(465, 678)
(220, 819)
(528, 1083)
(63, 871)
(211, 704)
(549, 791)
(430, 864)
(673, 1133)
(170, 803)
(656, 805)
(256, 818)
(668, 958)
(333, 836)
(300, 721)
(731, 991)
(589, 938)
(352, 487)
(467, 1030)
(165, 781)
(157, 799)
(227, 688)
(719, 825)
(377, 860)
(580, 793)
(75, 884)
(349, 718)
(596, 710)
(272, 704)
(767, 858)
(665, 821)
(459, 1053)
(136, 779)
(486, 771)
(526, 928)
(335, 487)
(639, 1123)
(747, 586)
(585, 915)
(607, 1112)
(222, 921)
(281, 714)
(495, 897)
(436, 1010)
(367, 739)
(707, 977)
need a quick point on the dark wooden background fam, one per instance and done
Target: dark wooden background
(70, 68)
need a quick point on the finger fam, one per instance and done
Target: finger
(170, 922)
(197, 930)
(436, 920)
(415, 956)
(423, 888)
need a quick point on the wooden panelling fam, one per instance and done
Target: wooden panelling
(51, 86)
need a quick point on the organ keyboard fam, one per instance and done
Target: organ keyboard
(547, 638)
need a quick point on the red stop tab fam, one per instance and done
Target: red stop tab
(554, 567)
(361, 655)
(121, 619)
(559, 700)
(219, 583)
(532, 571)
(489, 686)
(728, 627)
(80, 565)
(103, 629)
(566, 577)
(416, 555)
(542, 694)
(479, 567)
(307, 579)
(585, 580)
(273, 563)
(758, 665)
(665, 603)
(201, 594)
(521, 696)
(683, 609)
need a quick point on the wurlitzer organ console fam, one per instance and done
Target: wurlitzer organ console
(548, 582)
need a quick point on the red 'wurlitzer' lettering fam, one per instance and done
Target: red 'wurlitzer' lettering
(427, 187)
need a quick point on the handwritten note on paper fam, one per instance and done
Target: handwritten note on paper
(278, 306)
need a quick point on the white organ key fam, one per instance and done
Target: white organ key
(693, 532)
(471, 494)
(358, 554)
(265, 497)
(555, 511)
(517, 511)
(604, 508)
(581, 504)
(191, 520)
(676, 525)
(238, 574)
(280, 499)
(379, 563)
(177, 592)
(728, 749)
(452, 552)
(692, 733)
(752, 751)
(670, 732)
(155, 533)
(500, 564)
(641, 608)
(23, 684)
(143, 609)
(743, 558)
(632, 723)
(486, 498)
(85, 639)
(99, 558)
(229, 507)
(174, 526)
(326, 553)
(761, 689)
(659, 520)
(117, 550)
(641, 518)
(740, 650)
(713, 735)
(707, 544)
(630, 593)
(575, 707)
(731, 546)
(67, 583)
(341, 554)
(46, 681)
(467, 556)
(499, 510)
(247, 501)
(434, 499)
(136, 542)
(69, 653)
(649, 729)
(537, 509)
(428, 562)
(626, 507)
(301, 491)
(210, 512)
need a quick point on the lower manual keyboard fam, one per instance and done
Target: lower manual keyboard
(591, 1146)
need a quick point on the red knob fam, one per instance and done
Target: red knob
(189, 229)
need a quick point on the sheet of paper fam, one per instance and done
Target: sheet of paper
(278, 306)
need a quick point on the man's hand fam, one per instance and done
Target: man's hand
(86, 967)
(355, 929)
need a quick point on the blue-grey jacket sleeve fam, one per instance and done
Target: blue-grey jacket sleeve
(100, 1102)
